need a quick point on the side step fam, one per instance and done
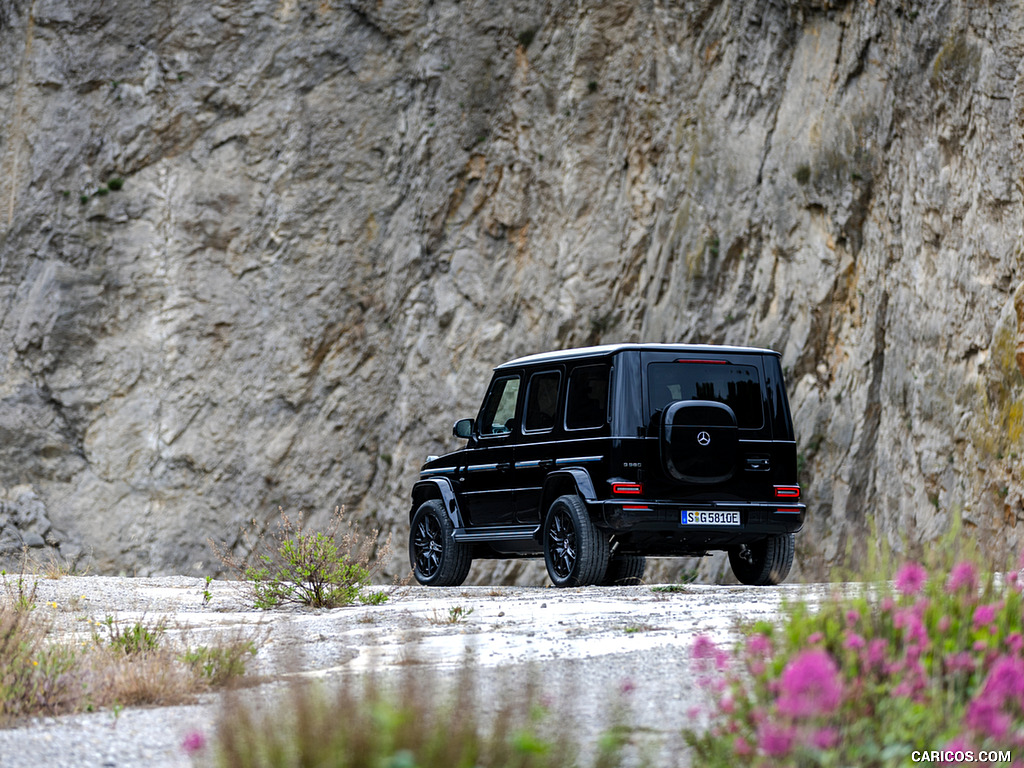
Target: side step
(502, 533)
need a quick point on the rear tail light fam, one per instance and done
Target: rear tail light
(787, 491)
(627, 489)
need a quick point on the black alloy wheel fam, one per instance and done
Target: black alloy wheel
(763, 563)
(437, 559)
(575, 551)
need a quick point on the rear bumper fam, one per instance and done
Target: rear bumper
(755, 517)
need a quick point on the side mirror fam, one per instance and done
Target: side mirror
(463, 428)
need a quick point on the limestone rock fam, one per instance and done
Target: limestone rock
(263, 254)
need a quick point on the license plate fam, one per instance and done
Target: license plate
(710, 517)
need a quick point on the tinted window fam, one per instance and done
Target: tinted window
(542, 401)
(737, 386)
(586, 404)
(499, 412)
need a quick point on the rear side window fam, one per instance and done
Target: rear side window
(499, 412)
(542, 401)
(586, 404)
(737, 386)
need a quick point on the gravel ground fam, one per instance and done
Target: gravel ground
(584, 645)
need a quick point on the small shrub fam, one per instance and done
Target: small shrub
(115, 184)
(456, 614)
(320, 570)
(131, 640)
(21, 594)
(219, 665)
(932, 660)
(802, 174)
(102, 192)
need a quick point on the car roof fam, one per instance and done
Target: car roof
(610, 349)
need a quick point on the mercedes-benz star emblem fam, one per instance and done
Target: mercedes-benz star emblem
(703, 438)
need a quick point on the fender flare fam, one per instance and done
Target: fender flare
(437, 488)
(556, 482)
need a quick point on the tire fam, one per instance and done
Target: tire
(765, 562)
(624, 570)
(437, 559)
(575, 551)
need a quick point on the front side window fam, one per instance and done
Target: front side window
(542, 401)
(499, 412)
(586, 404)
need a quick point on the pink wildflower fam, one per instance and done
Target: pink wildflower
(626, 687)
(944, 624)
(913, 628)
(775, 741)
(854, 641)
(705, 650)
(963, 576)
(984, 615)
(810, 685)
(194, 742)
(826, 738)
(740, 747)
(815, 638)
(986, 716)
(759, 645)
(1015, 642)
(911, 578)
(1006, 679)
(876, 652)
(852, 617)
(957, 745)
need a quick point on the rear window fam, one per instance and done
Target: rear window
(737, 386)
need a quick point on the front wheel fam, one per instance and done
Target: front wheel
(575, 551)
(437, 559)
(765, 562)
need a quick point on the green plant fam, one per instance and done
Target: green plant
(21, 594)
(418, 721)
(933, 659)
(207, 595)
(83, 198)
(456, 614)
(592, 86)
(802, 174)
(324, 569)
(102, 192)
(219, 665)
(115, 184)
(134, 639)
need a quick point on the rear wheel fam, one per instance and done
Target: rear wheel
(438, 560)
(763, 563)
(575, 551)
(624, 570)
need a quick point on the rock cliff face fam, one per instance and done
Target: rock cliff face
(330, 219)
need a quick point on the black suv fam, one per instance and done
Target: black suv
(595, 458)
